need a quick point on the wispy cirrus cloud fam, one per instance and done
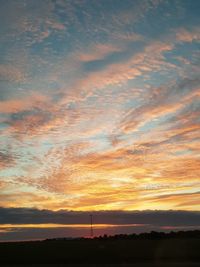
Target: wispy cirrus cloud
(99, 104)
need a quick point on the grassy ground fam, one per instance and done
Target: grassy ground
(165, 252)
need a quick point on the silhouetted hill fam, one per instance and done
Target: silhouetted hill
(146, 247)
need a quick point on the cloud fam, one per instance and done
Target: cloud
(6, 160)
(161, 103)
(32, 21)
(34, 100)
(98, 102)
(184, 35)
(159, 218)
(97, 52)
(11, 73)
(116, 71)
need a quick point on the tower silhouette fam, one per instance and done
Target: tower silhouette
(91, 226)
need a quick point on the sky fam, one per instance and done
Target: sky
(99, 105)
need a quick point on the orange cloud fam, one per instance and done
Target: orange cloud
(184, 35)
(11, 73)
(34, 100)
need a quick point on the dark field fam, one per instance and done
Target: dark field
(136, 252)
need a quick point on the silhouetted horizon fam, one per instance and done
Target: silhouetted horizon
(31, 223)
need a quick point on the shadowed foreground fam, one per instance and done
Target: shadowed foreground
(146, 250)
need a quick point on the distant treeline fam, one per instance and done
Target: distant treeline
(150, 235)
(155, 235)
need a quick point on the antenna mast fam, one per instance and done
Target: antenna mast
(91, 226)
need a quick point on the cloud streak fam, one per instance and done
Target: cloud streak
(99, 105)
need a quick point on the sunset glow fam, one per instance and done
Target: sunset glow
(99, 105)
